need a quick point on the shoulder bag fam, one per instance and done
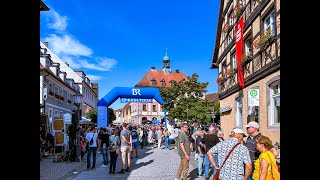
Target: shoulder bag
(216, 176)
(274, 171)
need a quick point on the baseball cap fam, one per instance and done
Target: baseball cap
(253, 124)
(239, 131)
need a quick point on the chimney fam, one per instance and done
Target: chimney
(46, 44)
(153, 67)
(177, 71)
(67, 64)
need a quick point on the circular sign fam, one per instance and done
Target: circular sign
(253, 93)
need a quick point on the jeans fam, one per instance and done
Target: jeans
(94, 150)
(104, 153)
(167, 143)
(113, 161)
(200, 164)
(207, 165)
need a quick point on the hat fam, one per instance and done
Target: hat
(253, 124)
(239, 131)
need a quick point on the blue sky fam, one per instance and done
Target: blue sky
(116, 42)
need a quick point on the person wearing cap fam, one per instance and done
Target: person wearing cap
(233, 167)
(253, 134)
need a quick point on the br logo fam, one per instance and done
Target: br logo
(253, 93)
(136, 91)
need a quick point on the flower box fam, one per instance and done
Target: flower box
(265, 40)
(226, 28)
(245, 58)
(220, 80)
(237, 11)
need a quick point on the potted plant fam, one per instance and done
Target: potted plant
(264, 40)
(220, 80)
(237, 11)
(245, 58)
(230, 72)
(226, 27)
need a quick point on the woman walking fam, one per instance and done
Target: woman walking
(114, 145)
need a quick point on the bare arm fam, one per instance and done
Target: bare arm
(248, 170)
(184, 151)
(210, 156)
(200, 153)
(193, 136)
(263, 169)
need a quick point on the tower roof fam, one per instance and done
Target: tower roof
(166, 57)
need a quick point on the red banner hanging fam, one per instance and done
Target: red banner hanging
(239, 45)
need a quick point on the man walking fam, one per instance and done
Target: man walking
(91, 138)
(184, 152)
(233, 167)
(208, 141)
(126, 147)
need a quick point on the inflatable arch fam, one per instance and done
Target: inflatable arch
(125, 92)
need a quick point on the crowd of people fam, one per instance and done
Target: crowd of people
(247, 156)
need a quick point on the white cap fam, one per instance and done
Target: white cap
(253, 124)
(239, 131)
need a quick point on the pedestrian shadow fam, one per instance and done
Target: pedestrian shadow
(137, 166)
(193, 174)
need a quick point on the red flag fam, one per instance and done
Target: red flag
(239, 45)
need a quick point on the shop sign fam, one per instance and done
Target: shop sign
(225, 109)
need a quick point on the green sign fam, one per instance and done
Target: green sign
(253, 93)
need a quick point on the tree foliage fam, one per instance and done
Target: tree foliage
(92, 114)
(183, 101)
(111, 115)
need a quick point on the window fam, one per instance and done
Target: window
(56, 112)
(270, 23)
(154, 108)
(144, 107)
(234, 60)
(61, 92)
(69, 98)
(50, 87)
(253, 105)
(56, 91)
(224, 67)
(230, 18)
(163, 82)
(61, 113)
(153, 82)
(50, 112)
(248, 46)
(274, 103)
(238, 111)
(171, 83)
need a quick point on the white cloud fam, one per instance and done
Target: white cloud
(65, 44)
(72, 63)
(94, 77)
(57, 22)
(102, 64)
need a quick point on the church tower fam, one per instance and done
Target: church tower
(166, 63)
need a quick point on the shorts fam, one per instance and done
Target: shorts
(135, 144)
(125, 152)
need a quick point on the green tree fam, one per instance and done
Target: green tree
(92, 114)
(111, 115)
(184, 102)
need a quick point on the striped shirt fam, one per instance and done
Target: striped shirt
(233, 169)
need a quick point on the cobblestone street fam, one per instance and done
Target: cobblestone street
(151, 164)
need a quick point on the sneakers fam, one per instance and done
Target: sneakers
(121, 172)
(128, 169)
(93, 167)
(104, 166)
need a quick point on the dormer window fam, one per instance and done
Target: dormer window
(153, 82)
(163, 82)
(171, 83)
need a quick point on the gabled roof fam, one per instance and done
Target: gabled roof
(159, 75)
(214, 97)
(218, 36)
(43, 6)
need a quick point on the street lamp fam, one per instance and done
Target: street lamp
(77, 101)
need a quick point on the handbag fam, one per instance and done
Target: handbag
(275, 174)
(216, 176)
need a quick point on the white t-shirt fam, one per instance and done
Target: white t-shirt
(89, 136)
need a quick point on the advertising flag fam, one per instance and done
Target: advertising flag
(239, 45)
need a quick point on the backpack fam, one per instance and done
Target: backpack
(134, 134)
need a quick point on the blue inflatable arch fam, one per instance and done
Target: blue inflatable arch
(125, 92)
